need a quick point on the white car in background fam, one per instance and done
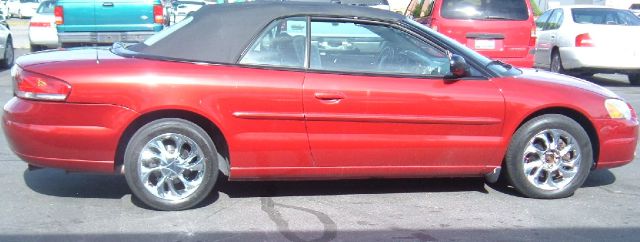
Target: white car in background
(22, 8)
(589, 40)
(6, 48)
(182, 9)
(42, 27)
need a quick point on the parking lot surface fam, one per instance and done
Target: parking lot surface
(51, 205)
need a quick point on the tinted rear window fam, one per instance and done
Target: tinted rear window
(606, 16)
(635, 6)
(485, 9)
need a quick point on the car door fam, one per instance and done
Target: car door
(268, 128)
(376, 96)
(543, 42)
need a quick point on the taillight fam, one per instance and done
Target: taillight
(29, 85)
(432, 24)
(584, 40)
(532, 39)
(58, 12)
(39, 24)
(158, 15)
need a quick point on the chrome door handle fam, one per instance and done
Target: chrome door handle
(107, 4)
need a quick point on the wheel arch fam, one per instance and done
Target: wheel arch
(210, 127)
(577, 116)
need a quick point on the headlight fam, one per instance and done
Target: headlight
(617, 109)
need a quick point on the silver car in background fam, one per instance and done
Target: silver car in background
(42, 27)
(6, 47)
(589, 40)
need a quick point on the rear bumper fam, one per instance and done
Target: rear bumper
(43, 36)
(526, 62)
(618, 140)
(77, 137)
(104, 37)
(600, 59)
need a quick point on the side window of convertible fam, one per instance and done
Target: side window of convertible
(282, 44)
(371, 48)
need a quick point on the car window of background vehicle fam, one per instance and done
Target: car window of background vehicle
(496, 9)
(555, 20)
(604, 16)
(542, 20)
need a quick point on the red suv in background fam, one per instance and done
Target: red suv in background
(498, 29)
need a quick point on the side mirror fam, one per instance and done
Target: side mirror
(458, 67)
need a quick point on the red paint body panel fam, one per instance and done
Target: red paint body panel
(79, 137)
(413, 122)
(300, 125)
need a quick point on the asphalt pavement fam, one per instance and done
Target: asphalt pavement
(51, 205)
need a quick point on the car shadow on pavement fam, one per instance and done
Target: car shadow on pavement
(59, 183)
(605, 82)
(596, 178)
(343, 187)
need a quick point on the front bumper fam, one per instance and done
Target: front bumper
(104, 37)
(602, 59)
(77, 137)
(618, 140)
(43, 36)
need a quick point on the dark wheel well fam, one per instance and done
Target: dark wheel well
(213, 131)
(578, 117)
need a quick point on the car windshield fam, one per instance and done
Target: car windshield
(29, 1)
(604, 16)
(46, 7)
(502, 70)
(635, 6)
(485, 9)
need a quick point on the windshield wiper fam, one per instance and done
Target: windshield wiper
(497, 62)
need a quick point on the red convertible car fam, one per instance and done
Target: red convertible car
(286, 91)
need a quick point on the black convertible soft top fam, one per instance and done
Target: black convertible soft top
(220, 33)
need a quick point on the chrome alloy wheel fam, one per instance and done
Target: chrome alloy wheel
(551, 159)
(171, 166)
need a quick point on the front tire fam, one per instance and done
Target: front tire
(549, 157)
(171, 164)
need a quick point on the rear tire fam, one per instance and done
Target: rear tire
(8, 55)
(556, 63)
(634, 79)
(171, 164)
(550, 156)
